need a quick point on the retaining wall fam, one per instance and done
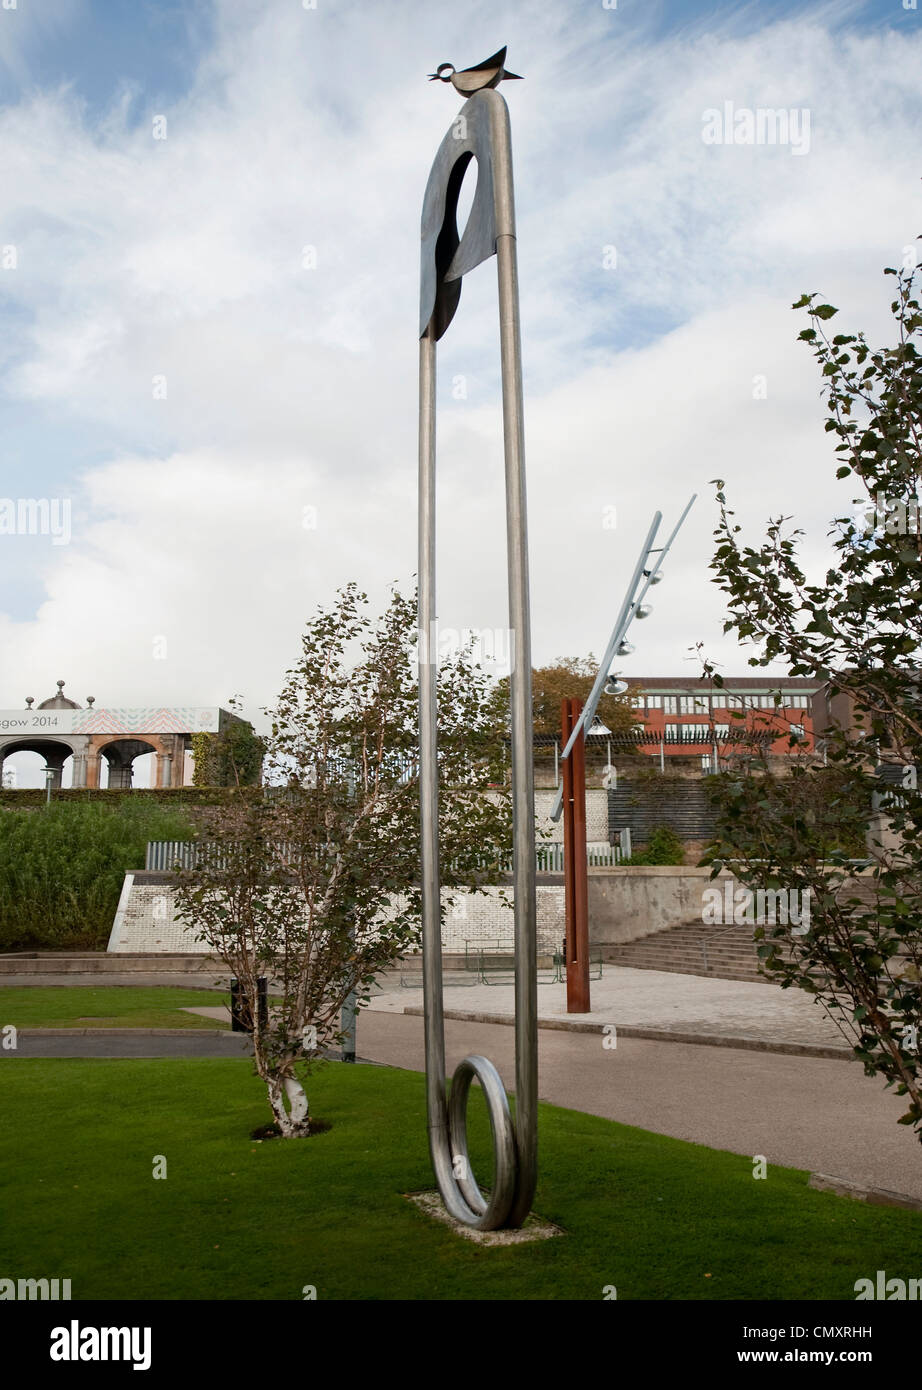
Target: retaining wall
(624, 904)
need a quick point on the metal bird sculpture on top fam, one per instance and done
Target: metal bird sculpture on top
(489, 73)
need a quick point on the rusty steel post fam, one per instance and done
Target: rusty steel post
(567, 806)
(576, 877)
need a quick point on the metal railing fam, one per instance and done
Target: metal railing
(493, 963)
(166, 855)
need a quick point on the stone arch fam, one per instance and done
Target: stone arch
(55, 750)
(120, 751)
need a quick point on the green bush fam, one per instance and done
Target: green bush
(17, 797)
(62, 868)
(663, 847)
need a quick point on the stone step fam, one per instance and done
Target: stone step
(750, 977)
(691, 956)
(102, 963)
(693, 948)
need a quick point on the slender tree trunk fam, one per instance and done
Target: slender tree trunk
(294, 1123)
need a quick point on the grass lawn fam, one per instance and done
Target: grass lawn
(58, 1006)
(234, 1219)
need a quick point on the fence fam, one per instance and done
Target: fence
(165, 855)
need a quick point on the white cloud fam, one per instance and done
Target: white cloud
(290, 387)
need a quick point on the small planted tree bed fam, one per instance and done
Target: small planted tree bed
(273, 1131)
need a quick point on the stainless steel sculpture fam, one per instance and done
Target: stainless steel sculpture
(480, 131)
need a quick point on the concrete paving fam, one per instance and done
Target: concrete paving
(802, 1112)
(649, 999)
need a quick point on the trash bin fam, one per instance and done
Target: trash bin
(241, 1014)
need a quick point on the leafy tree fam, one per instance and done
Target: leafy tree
(316, 882)
(860, 630)
(570, 676)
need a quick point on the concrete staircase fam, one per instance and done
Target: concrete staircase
(726, 953)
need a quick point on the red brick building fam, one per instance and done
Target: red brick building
(687, 715)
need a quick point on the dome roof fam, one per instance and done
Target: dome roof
(59, 701)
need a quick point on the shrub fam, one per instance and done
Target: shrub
(62, 868)
(663, 847)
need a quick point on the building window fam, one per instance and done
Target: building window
(689, 733)
(654, 702)
(670, 704)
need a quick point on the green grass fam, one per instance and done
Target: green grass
(59, 1006)
(237, 1219)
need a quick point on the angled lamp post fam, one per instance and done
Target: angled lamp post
(481, 132)
(571, 797)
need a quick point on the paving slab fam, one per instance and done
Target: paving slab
(656, 1000)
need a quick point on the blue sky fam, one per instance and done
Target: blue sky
(100, 47)
(290, 387)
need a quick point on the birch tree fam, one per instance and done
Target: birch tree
(313, 881)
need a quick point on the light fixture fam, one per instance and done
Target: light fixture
(625, 649)
(643, 611)
(653, 578)
(613, 686)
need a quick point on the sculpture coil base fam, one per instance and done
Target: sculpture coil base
(459, 1188)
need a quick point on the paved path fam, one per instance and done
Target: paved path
(802, 1112)
(652, 999)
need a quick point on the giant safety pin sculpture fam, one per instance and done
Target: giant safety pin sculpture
(480, 131)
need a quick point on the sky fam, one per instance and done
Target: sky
(209, 239)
